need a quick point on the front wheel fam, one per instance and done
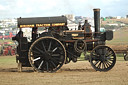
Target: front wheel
(102, 58)
(125, 56)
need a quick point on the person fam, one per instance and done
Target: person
(86, 26)
(2, 48)
(79, 27)
(34, 33)
(9, 50)
(5, 51)
(20, 33)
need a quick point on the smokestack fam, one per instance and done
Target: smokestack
(97, 19)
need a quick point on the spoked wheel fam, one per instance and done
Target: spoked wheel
(47, 54)
(125, 56)
(102, 58)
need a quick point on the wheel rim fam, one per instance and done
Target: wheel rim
(102, 58)
(47, 54)
(126, 57)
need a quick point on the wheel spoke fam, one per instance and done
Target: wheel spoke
(57, 59)
(96, 62)
(35, 52)
(55, 54)
(111, 59)
(36, 59)
(53, 64)
(49, 46)
(43, 46)
(109, 63)
(47, 66)
(103, 65)
(109, 50)
(99, 65)
(40, 64)
(106, 64)
(95, 55)
(39, 50)
(54, 49)
(110, 54)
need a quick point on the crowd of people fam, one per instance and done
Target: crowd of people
(7, 50)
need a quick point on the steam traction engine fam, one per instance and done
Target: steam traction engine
(48, 51)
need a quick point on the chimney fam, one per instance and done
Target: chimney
(97, 20)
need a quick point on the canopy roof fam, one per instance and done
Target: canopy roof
(42, 21)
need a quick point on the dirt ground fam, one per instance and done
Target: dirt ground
(80, 73)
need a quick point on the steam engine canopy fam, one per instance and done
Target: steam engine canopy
(42, 22)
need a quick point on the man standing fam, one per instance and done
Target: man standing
(79, 27)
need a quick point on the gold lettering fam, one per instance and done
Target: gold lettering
(23, 26)
(58, 24)
(42, 25)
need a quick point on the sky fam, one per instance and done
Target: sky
(42, 8)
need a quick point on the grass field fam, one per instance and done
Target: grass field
(120, 37)
(6, 40)
(7, 59)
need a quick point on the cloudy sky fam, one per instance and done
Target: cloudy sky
(40, 8)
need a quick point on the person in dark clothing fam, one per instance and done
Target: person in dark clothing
(79, 27)
(86, 26)
(34, 33)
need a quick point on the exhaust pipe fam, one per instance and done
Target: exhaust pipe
(97, 20)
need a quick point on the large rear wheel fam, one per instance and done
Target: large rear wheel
(47, 54)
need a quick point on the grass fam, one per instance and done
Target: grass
(119, 38)
(6, 40)
(7, 61)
